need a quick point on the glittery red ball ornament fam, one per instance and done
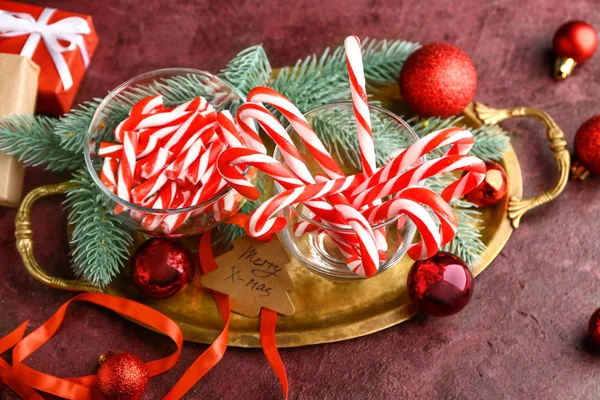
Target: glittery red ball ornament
(161, 267)
(493, 188)
(122, 376)
(438, 80)
(587, 145)
(441, 285)
(575, 39)
(594, 327)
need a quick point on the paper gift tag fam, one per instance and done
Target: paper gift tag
(254, 275)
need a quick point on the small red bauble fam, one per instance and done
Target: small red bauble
(161, 267)
(493, 188)
(122, 376)
(575, 39)
(438, 80)
(594, 327)
(587, 145)
(441, 285)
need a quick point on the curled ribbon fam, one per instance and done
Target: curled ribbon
(69, 29)
(24, 379)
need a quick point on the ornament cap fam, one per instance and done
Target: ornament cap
(578, 171)
(105, 356)
(563, 67)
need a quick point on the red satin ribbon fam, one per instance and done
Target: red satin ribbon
(23, 379)
(84, 387)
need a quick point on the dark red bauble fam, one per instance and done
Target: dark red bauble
(162, 267)
(594, 327)
(493, 188)
(587, 145)
(438, 80)
(441, 285)
(122, 376)
(575, 39)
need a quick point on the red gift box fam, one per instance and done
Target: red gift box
(61, 39)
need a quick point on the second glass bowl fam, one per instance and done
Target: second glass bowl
(335, 125)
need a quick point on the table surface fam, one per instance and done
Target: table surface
(522, 336)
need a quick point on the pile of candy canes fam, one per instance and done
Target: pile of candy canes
(165, 160)
(352, 202)
(184, 156)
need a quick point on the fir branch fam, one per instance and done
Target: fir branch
(314, 81)
(250, 68)
(99, 237)
(384, 59)
(32, 140)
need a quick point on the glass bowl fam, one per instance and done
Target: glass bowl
(115, 107)
(317, 251)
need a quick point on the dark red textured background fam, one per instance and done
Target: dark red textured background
(522, 335)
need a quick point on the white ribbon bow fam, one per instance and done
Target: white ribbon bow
(69, 29)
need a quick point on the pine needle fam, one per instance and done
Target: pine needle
(100, 239)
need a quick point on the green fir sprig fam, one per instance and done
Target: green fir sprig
(250, 68)
(33, 141)
(100, 238)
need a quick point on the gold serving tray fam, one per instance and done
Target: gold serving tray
(326, 311)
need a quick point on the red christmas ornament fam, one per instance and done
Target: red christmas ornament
(493, 188)
(441, 285)
(574, 42)
(161, 267)
(587, 149)
(122, 376)
(594, 327)
(438, 80)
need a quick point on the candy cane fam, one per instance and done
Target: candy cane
(228, 131)
(154, 163)
(164, 200)
(108, 174)
(459, 139)
(475, 175)
(127, 165)
(147, 105)
(361, 104)
(179, 167)
(111, 150)
(199, 167)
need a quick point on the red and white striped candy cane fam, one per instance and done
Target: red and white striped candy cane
(475, 175)
(163, 201)
(147, 105)
(148, 187)
(139, 121)
(199, 167)
(179, 167)
(425, 197)
(460, 140)
(111, 150)
(228, 131)
(361, 104)
(127, 165)
(154, 163)
(108, 174)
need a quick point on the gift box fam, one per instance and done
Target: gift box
(18, 92)
(61, 43)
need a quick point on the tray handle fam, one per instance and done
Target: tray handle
(24, 235)
(517, 206)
